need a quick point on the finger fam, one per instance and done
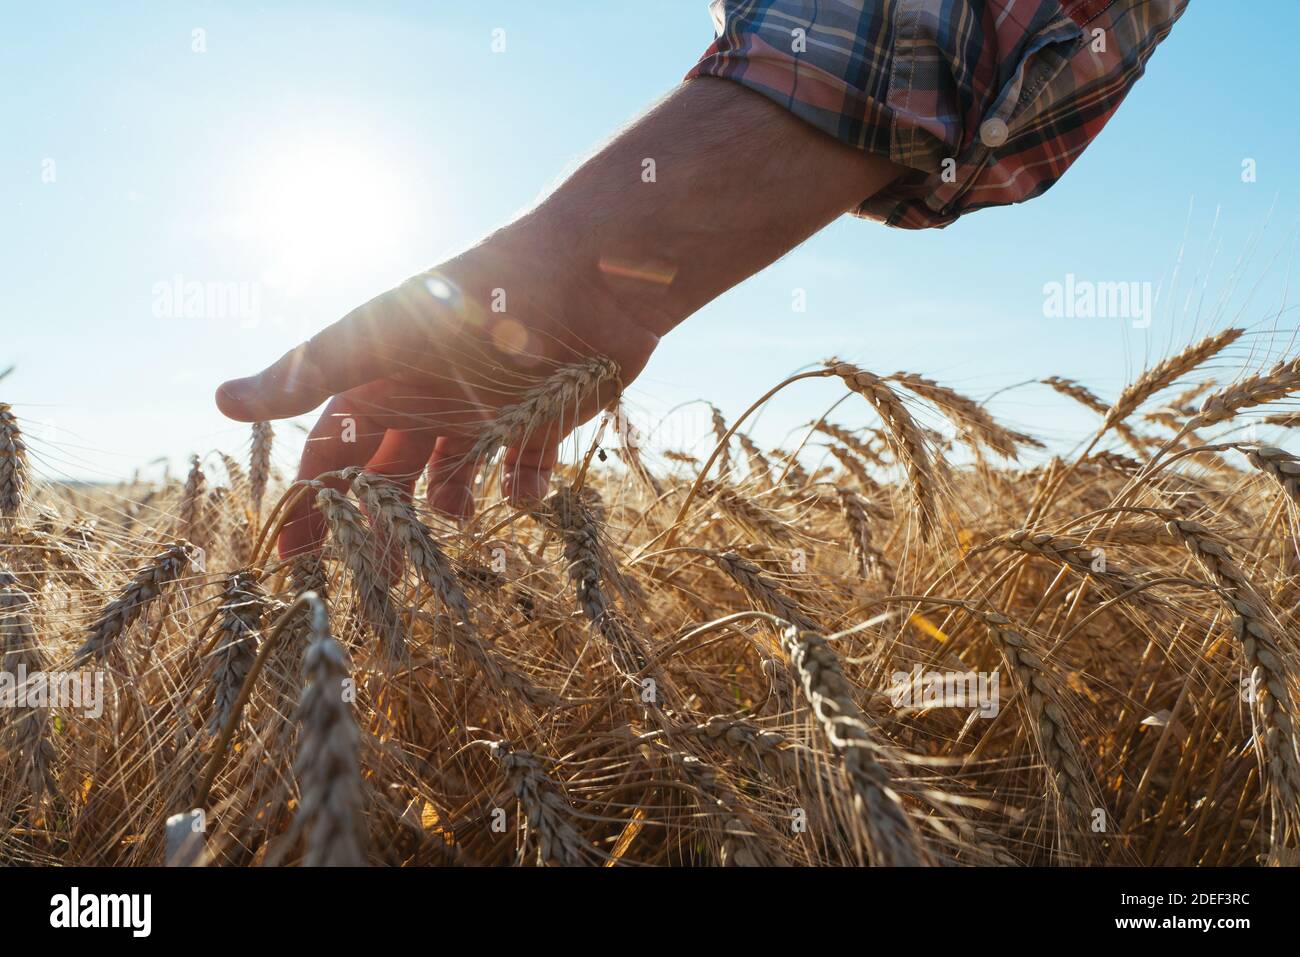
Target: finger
(402, 456)
(369, 343)
(528, 472)
(451, 477)
(341, 437)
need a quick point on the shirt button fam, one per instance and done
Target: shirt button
(993, 132)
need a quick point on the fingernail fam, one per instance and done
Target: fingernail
(232, 399)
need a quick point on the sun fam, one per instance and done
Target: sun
(322, 207)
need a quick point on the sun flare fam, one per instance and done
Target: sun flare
(313, 210)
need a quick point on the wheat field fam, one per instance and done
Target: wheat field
(685, 660)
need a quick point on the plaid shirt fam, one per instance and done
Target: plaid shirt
(987, 101)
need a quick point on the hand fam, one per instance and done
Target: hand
(415, 371)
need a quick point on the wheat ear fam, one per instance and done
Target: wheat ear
(587, 567)
(719, 425)
(1164, 374)
(761, 747)
(548, 401)
(13, 465)
(328, 764)
(191, 512)
(904, 436)
(1071, 778)
(892, 841)
(1277, 383)
(1079, 393)
(857, 517)
(356, 548)
(31, 749)
(385, 503)
(749, 514)
(762, 589)
(1272, 681)
(857, 446)
(741, 845)
(546, 811)
(147, 585)
(1279, 465)
(259, 463)
(967, 416)
(239, 619)
(760, 468)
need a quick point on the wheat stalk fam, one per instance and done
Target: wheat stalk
(905, 439)
(892, 841)
(967, 416)
(1165, 373)
(239, 619)
(563, 391)
(30, 746)
(148, 584)
(545, 809)
(13, 465)
(328, 764)
(259, 463)
(356, 547)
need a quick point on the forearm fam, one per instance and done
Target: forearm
(736, 183)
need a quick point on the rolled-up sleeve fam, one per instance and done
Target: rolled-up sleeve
(987, 102)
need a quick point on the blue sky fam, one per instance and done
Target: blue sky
(319, 153)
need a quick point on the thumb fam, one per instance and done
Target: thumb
(291, 386)
(368, 343)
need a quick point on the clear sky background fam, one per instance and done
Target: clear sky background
(322, 152)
